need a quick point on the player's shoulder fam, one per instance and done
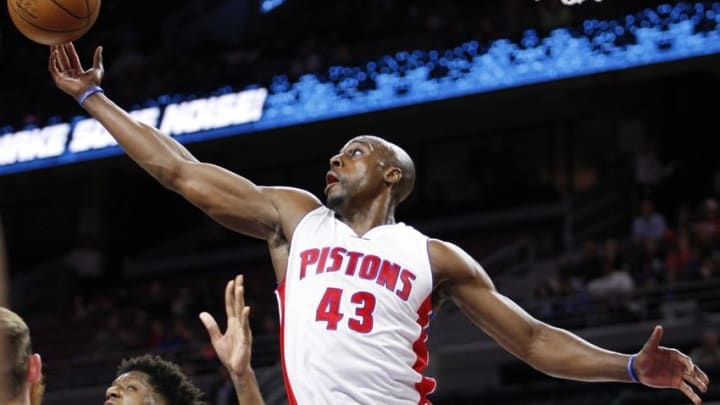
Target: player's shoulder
(442, 247)
(450, 262)
(292, 195)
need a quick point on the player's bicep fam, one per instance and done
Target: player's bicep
(230, 199)
(470, 287)
(498, 316)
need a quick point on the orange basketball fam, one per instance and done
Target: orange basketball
(50, 22)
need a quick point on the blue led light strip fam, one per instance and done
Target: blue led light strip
(651, 36)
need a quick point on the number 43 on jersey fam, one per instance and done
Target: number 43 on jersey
(329, 310)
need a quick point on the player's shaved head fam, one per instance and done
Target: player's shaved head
(391, 155)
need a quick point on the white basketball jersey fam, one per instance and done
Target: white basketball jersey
(353, 313)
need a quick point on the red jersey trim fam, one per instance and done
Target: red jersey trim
(426, 385)
(280, 292)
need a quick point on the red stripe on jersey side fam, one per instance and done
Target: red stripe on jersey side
(426, 384)
(280, 293)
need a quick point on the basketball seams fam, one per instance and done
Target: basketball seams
(19, 12)
(65, 9)
(55, 21)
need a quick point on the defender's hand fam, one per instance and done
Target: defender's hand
(234, 347)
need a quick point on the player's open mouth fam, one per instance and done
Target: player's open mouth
(330, 180)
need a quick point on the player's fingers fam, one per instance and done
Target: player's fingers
(74, 58)
(52, 67)
(685, 388)
(655, 338)
(693, 379)
(697, 378)
(229, 299)
(55, 67)
(55, 59)
(701, 375)
(246, 323)
(239, 294)
(98, 59)
(684, 360)
(51, 56)
(63, 58)
(211, 326)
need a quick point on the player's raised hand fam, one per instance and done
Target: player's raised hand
(233, 348)
(67, 71)
(661, 367)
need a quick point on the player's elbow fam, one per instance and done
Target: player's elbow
(534, 350)
(173, 174)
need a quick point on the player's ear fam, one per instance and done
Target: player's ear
(393, 175)
(34, 369)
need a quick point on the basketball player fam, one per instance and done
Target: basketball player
(149, 379)
(355, 286)
(145, 379)
(21, 379)
(20, 369)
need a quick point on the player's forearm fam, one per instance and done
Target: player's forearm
(154, 151)
(559, 353)
(247, 389)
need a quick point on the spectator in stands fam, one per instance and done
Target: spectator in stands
(649, 224)
(21, 378)
(682, 261)
(648, 264)
(707, 228)
(708, 353)
(614, 289)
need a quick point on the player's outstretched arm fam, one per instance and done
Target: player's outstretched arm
(227, 197)
(552, 350)
(234, 346)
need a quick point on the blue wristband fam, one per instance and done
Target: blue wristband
(89, 92)
(631, 373)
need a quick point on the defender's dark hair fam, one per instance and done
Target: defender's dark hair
(166, 378)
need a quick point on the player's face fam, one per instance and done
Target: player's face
(353, 171)
(132, 388)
